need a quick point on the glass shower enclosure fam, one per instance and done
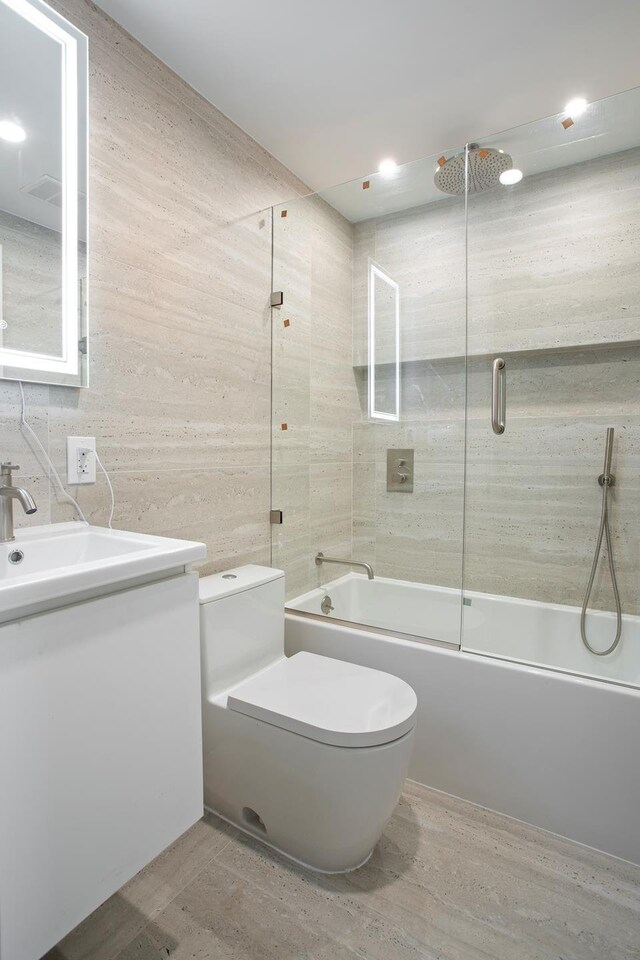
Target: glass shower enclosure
(453, 347)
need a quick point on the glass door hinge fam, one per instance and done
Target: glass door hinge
(277, 298)
(275, 516)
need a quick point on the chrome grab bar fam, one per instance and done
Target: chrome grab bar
(320, 559)
(498, 396)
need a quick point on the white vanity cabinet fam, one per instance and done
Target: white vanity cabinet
(100, 752)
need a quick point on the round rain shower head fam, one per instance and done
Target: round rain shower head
(485, 166)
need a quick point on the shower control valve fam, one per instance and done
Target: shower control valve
(400, 471)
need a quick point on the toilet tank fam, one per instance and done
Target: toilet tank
(241, 625)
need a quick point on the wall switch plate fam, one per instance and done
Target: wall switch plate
(81, 460)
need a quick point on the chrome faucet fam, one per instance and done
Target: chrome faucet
(9, 493)
(320, 559)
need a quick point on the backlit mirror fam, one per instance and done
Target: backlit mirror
(43, 195)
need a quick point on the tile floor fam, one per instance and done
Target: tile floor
(448, 881)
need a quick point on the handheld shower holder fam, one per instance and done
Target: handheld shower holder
(606, 481)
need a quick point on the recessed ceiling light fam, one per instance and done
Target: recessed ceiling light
(576, 106)
(387, 167)
(509, 177)
(11, 131)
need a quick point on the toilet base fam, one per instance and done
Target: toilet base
(243, 828)
(320, 805)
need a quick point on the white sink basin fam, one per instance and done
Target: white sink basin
(62, 559)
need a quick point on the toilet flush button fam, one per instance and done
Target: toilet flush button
(229, 576)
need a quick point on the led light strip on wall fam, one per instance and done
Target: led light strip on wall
(376, 272)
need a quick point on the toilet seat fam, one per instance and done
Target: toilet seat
(327, 700)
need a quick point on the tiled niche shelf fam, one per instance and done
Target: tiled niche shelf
(504, 351)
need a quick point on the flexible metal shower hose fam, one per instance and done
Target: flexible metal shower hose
(604, 530)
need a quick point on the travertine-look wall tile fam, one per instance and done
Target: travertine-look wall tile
(423, 250)
(553, 263)
(533, 503)
(290, 489)
(224, 507)
(294, 556)
(570, 383)
(330, 503)
(550, 265)
(364, 511)
(533, 509)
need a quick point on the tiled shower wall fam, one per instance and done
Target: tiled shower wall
(180, 273)
(414, 536)
(556, 265)
(533, 501)
(552, 273)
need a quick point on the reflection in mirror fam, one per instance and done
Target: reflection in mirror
(43, 144)
(384, 345)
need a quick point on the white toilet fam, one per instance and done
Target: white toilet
(307, 753)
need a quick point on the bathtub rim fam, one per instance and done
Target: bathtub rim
(327, 622)
(365, 628)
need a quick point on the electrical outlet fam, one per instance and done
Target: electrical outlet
(81, 460)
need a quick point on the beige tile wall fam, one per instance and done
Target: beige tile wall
(552, 264)
(423, 250)
(533, 502)
(414, 536)
(180, 326)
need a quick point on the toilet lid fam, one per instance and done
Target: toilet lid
(328, 700)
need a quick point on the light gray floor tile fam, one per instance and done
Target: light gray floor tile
(448, 881)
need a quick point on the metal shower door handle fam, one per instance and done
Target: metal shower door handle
(499, 396)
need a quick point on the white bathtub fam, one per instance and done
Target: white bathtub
(549, 748)
(539, 634)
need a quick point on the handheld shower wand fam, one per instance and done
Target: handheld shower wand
(606, 481)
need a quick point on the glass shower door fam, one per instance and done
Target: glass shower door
(368, 359)
(553, 308)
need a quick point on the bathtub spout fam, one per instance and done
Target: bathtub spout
(320, 559)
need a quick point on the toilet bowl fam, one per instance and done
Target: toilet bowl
(307, 753)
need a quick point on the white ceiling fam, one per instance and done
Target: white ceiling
(332, 87)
